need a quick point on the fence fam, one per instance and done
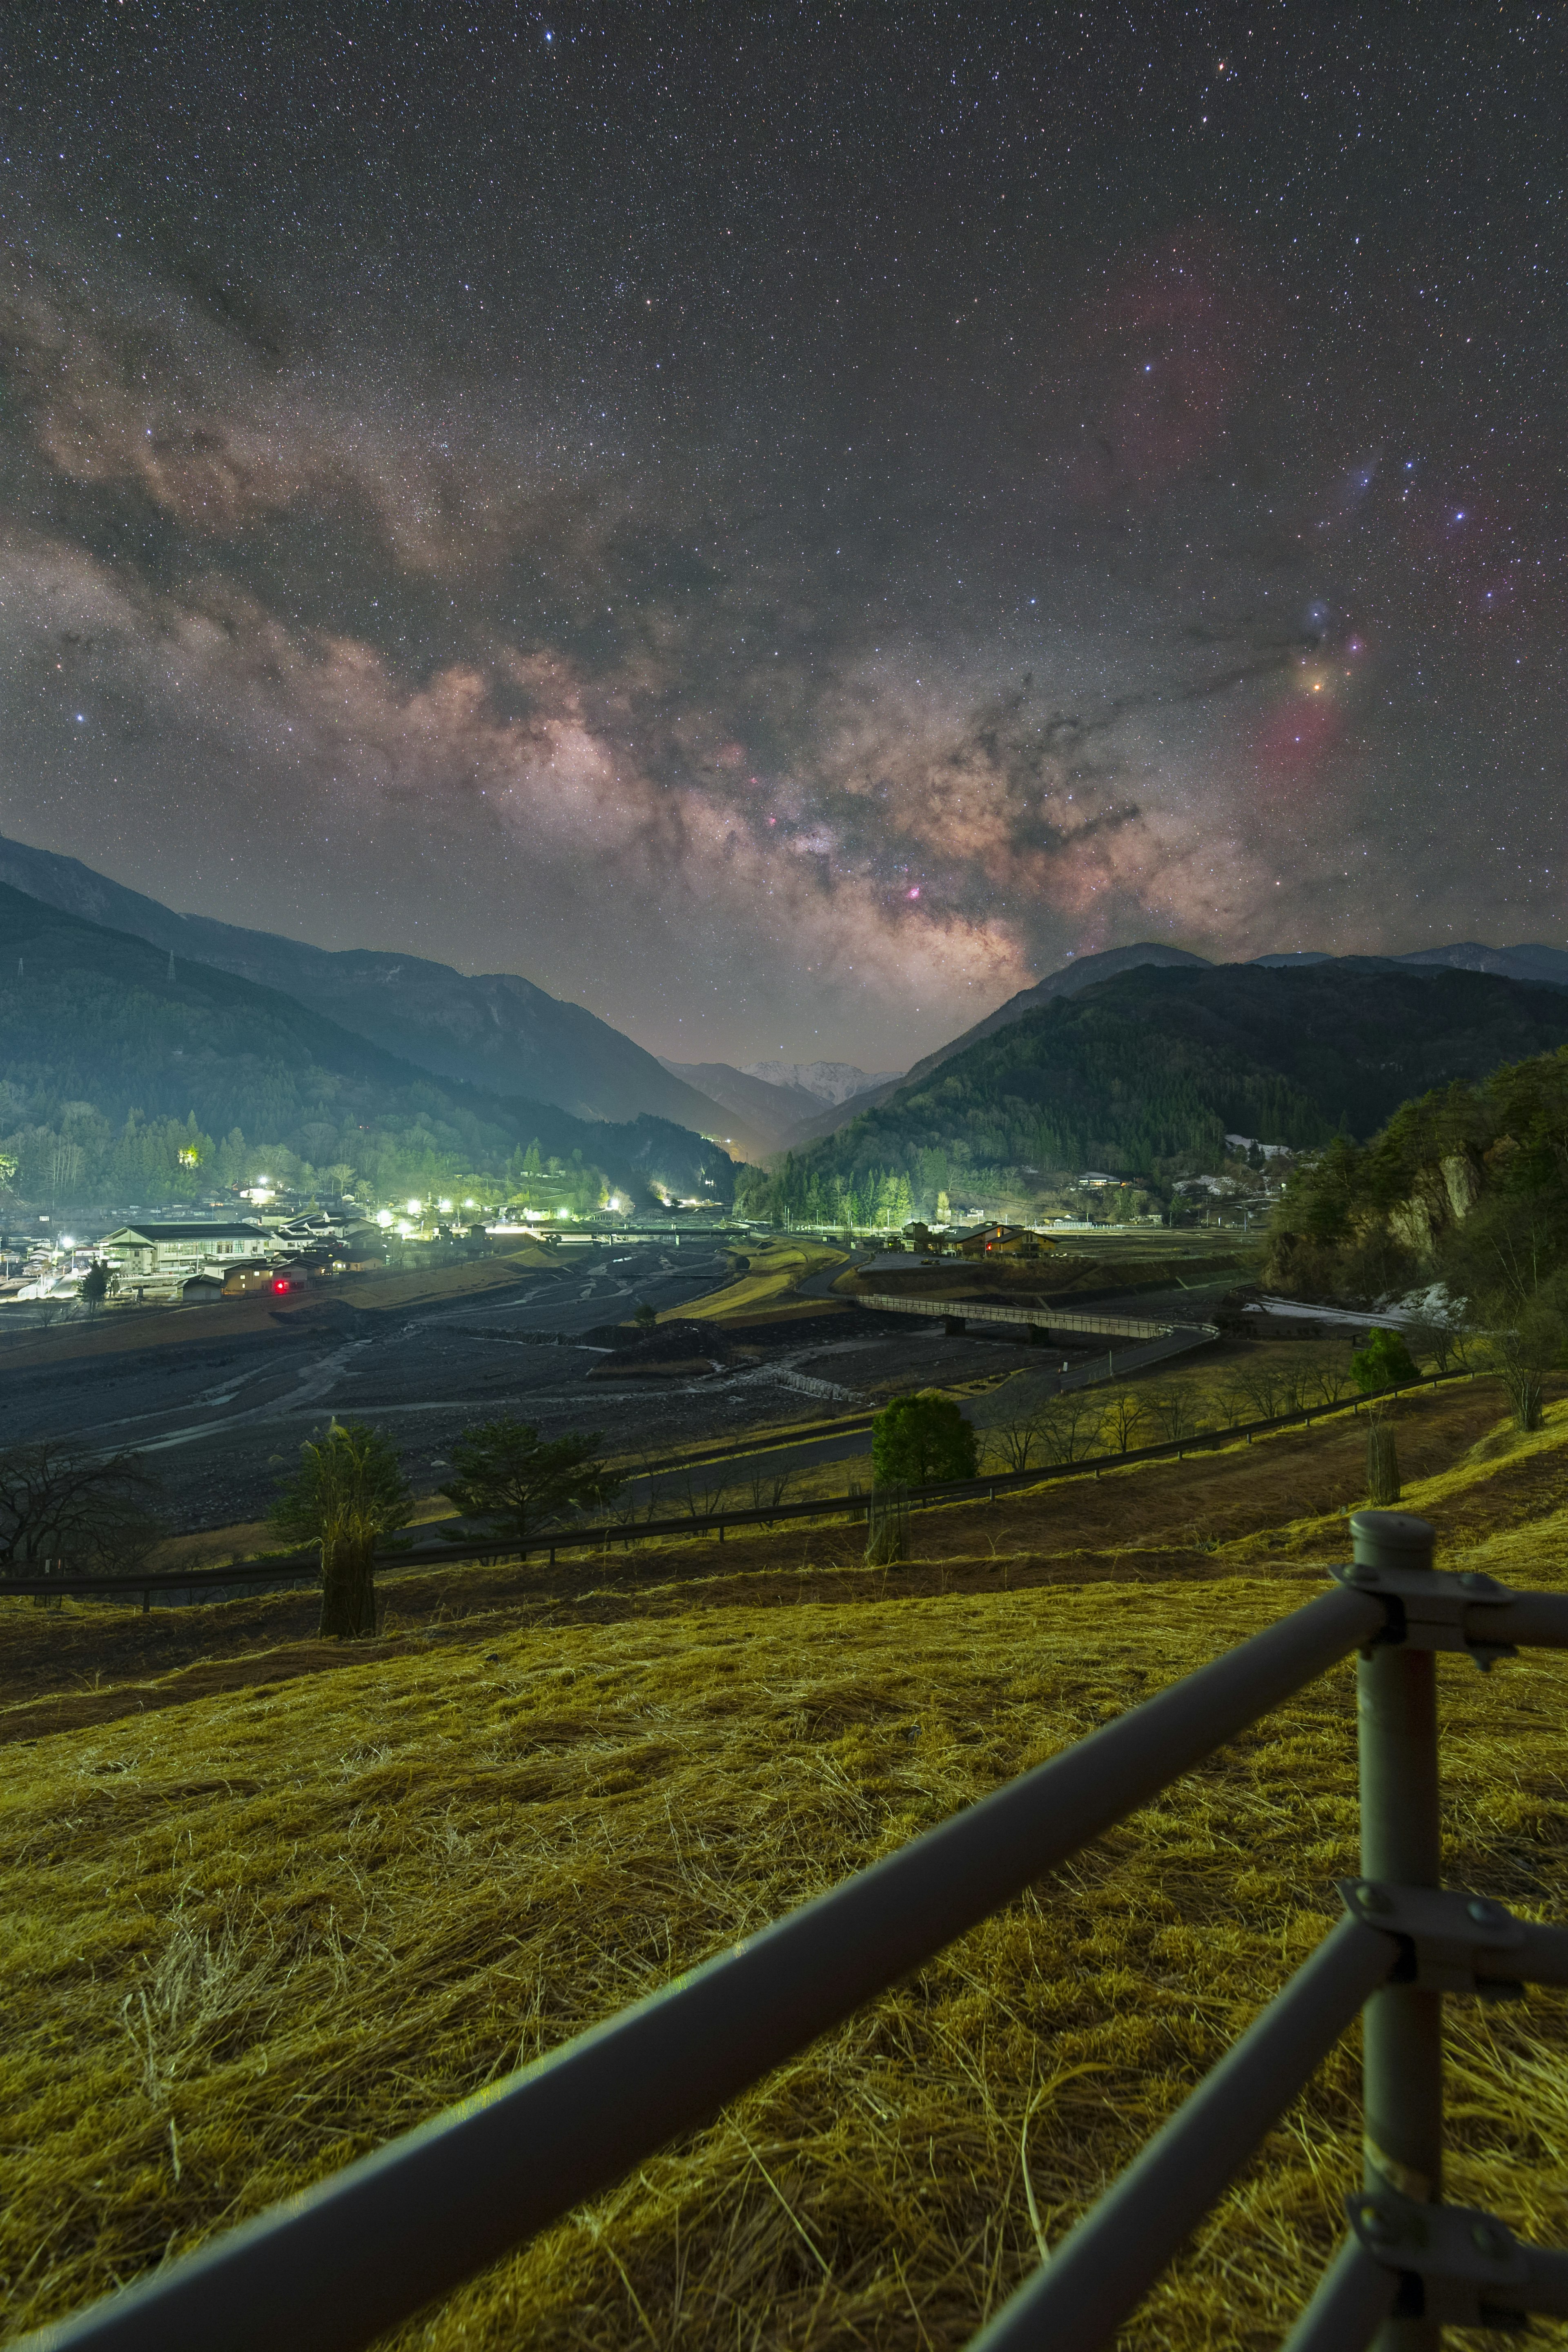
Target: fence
(333, 2268)
(857, 1504)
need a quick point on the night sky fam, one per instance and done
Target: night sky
(783, 523)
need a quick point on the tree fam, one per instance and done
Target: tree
(1124, 1419)
(1524, 1352)
(1171, 1411)
(59, 1503)
(1384, 1362)
(918, 1440)
(349, 1490)
(96, 1285)
(644, 1316)
(505, 1472)
(1382, 1459)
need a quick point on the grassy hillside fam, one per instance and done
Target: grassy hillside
(268, 1900)
(116, 1058)
(1147, 1071)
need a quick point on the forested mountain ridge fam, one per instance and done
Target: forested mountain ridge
(1147, 1071)
(116, 1058)
(495, 1030)
(1467, 1185)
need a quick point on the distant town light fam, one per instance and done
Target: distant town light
(404, 1227)
(413, 1207)
(444, 1207)
(470, 1204)
(383, 1218)
(68, 1240)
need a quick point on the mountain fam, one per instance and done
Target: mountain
(821, 1082)
(1543, 964)
(770, 1112)
(1084, 971)
(1536, 963)
(496, 1031)
(117, 1057)
(1146, 1071)
(788, 1102)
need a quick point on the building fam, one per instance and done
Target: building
(1000, 1241)
(140, 1253)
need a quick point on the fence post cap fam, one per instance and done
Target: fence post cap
(1375, 1534)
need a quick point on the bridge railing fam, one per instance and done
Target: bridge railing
(336, 2265)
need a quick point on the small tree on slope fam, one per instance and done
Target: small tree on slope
(506, 1473)
(917, 1439)
(349, 1489)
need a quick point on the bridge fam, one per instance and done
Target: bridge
(1151, 1339)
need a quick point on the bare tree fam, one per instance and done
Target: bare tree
(1069, 1424)
(769, 1487)
(1016, 1442)
(1123, 1418)
(1171, 1411)
(60, 1506)
(1264, 1386)
(1323, 1376)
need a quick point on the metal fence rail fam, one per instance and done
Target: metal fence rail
(331, 2268)
(605, 1534)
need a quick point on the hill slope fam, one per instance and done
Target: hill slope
(96, 1024)
(1149, 1070)
(495, 1030)
(763, 1108)
(1469, 1184)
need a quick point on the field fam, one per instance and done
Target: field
(772, 1273)
(270, 1900)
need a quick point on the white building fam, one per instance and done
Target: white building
(140, 1253)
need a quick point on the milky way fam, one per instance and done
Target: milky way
(784, 524)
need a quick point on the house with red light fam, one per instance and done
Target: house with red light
(159, 1257)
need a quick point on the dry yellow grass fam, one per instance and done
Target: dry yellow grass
(250, 1937)
(771, 1275)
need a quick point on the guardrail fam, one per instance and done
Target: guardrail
(335, 2266)
(606, 1534)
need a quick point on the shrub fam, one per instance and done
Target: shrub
(1384, 1362)
(918, 1440)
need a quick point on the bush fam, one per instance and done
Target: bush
(1384, 1362)
(918, 1440)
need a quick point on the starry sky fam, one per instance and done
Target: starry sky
(783, 523)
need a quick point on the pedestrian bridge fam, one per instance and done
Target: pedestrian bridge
(954, 1315)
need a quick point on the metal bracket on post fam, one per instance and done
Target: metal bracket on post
(1467, 2261)
(1446, 1933)
(1428, 1608)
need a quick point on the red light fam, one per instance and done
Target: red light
(280, 1285)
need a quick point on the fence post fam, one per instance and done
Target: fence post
(1401, 1842)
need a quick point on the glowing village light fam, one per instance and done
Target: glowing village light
(444, 1207)
(413, 1207)
(383, 1218)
